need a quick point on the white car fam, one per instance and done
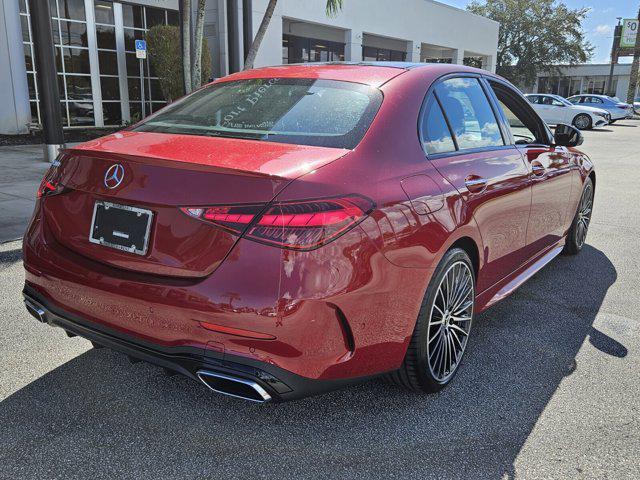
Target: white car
(554, 110)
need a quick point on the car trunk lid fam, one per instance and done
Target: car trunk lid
(161, 173)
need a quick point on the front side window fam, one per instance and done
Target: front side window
(470, 116)
(299, 111)
(436, 136)
(522, 120)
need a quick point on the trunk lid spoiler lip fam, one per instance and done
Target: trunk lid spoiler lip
(247, 157)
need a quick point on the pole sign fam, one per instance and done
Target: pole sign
(141, 49)
(629, 32)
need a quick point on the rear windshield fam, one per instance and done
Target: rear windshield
(313, 112)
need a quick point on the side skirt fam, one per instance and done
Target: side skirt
(506, 287)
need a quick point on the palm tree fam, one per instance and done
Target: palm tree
(192, 45)
(332, 8)
(186, 45)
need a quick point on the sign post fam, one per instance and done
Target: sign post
(141, 54)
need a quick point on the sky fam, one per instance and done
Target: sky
(598, 25)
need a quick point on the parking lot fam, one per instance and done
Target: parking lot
(549, 386)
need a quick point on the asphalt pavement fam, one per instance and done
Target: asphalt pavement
(549, 387)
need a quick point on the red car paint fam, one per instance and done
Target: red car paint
(346, 309)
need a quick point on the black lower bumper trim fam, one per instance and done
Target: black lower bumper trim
(281, 384)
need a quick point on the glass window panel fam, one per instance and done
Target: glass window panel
(81, 113)
(110, 88)
(108, 63)
(61, 86)
(156, 91)
(135, 111)
(517, 125)
(106, 37)
(79, 88)
(132, 16)
(53, 7)
(133, 65)
(63, 116)
(58, 54)
(134, 88)
(73, 33)
(369, 54)
(435, 132)
(173, 18)
(76, 60)
(383, 55)
(34, 112)
(130, 37)
(31, 82)
(112, 113)
(398, 56)
(27, 56)
(469, 113)
(23, 6)
(104, 12)
(72, 9)
(155, 16)
(55, 30)
(25, 28)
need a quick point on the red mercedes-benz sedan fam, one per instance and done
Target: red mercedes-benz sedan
(290, 230)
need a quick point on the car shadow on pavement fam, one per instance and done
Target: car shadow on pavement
(97, 415)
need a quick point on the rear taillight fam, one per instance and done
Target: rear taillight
(299, 225)
(50, 184)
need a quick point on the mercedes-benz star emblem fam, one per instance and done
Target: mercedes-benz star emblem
(114, 176)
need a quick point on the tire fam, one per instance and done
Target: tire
(431, 341)
(582, 121)
(580, 225)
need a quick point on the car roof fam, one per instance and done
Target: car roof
(370, 73)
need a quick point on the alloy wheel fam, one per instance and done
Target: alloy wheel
(450, 321)
(584, 215)
(582, 122)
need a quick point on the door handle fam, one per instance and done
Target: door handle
(538, 169)
(475, 183)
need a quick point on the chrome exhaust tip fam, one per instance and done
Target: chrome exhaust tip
(234, 386)
(36, 310)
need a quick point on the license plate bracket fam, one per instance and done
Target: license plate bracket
(122, 227)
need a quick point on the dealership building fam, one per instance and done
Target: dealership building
(100, 80)
(586, 78)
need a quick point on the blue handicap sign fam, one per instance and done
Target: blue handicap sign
(141, 45)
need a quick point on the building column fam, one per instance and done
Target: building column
(413, 51)
(458, 56)
(15, 114)
(488, 63)
(353, 46)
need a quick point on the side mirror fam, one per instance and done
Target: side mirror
(567, 136)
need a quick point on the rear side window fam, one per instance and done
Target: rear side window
(436, 136)
(470, 115)
(299, 111)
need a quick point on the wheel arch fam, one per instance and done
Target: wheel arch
(470, 247)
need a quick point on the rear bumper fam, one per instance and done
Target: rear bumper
(279, 384)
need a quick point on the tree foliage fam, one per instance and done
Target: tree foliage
(535, 35)
(165, 55)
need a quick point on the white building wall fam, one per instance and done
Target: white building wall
(407, 25)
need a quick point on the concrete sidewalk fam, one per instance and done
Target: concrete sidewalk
(21, 170)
